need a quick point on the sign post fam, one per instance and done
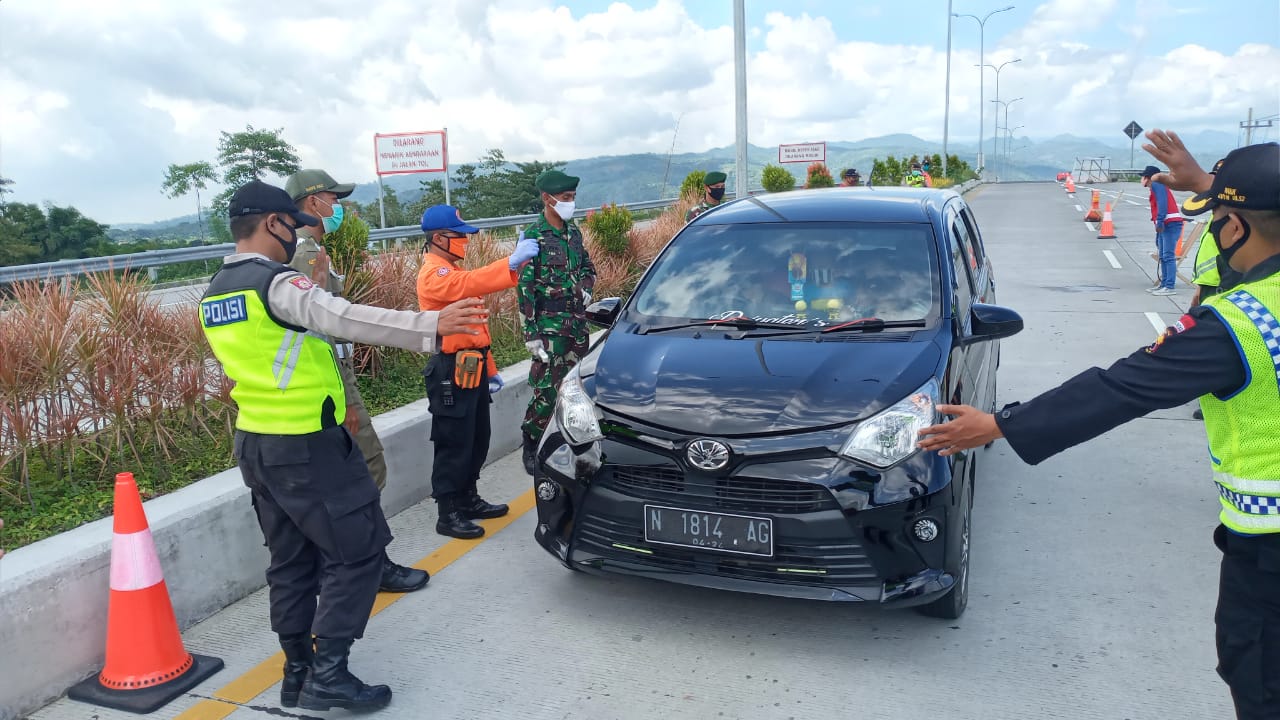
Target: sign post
(803, 152)
(1133, 129)
(408, 153)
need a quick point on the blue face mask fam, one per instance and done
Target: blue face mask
(332, 222)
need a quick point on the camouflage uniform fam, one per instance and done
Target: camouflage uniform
(553, 310)
(304, 260)
(698, 209)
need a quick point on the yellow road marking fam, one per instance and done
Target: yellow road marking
(262, 676)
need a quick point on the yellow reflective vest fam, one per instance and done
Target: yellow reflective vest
(1244, 428)
(286, 377)
(1206, 269)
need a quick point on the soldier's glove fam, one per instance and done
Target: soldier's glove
(526, 250)
(586, 297)
(538, 349)
(495, 384)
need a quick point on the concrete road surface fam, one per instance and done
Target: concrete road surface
(1093, 579)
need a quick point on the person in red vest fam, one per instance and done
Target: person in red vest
(1168, 222)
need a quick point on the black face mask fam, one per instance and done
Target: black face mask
(290, 246)
(1215, 228)
(715, 193)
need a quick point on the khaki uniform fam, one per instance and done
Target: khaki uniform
(304, 260)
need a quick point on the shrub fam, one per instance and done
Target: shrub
(348, 245)
(819, 176)
(943, 182)
(694, 185)
(610, 226)
(776, 178)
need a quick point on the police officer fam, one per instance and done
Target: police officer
(318, 194)
(310, 487)
(915, 178)
(1223, 352)
(458, 397)
(554, 291)
(714, 193)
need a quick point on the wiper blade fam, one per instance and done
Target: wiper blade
(872, 325)
(739, 323)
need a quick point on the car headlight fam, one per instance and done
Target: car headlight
(890, 436)
(575, 413)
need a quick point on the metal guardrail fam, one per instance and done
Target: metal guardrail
(157, 258)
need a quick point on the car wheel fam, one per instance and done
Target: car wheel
(952, 605)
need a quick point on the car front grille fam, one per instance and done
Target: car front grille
(665, 484)
(836, 562)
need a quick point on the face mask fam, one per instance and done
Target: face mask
(454, 245)
(715, 193)
(1215, 228)
(332, 222)
(290, 246)
(565, 208)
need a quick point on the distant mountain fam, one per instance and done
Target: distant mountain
(651, 176)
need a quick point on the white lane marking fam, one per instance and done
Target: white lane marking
(1078, 208)
(1156, 322)
(1111, 258)
(1092, 227)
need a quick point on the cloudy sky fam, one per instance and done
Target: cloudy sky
(97, 99)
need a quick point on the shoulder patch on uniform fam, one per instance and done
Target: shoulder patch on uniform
(1184, 323)
(301, 282)
(442, 271)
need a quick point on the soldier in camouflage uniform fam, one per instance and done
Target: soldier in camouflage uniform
(317, 191)
(554, 292)
(714, 182)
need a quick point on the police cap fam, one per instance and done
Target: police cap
(1248, 178)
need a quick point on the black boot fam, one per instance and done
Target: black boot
(453, 522)
(529, 455)
(474, 507)
(398, 578)
(331, 685)
(298, 654)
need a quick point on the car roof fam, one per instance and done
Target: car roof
(860, 204)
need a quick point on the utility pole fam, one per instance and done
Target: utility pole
(1249, 126)
(740, 83)
(946, 108)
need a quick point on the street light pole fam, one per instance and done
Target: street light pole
(1006, 120)
(982, 76)
(946, 106)
(740, 83)
(995, 121)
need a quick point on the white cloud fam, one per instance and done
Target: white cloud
(99, 98)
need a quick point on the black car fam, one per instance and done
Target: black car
(749, 420)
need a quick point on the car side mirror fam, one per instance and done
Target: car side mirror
(991, 322)
(604, 312)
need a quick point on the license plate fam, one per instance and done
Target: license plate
(708, 531)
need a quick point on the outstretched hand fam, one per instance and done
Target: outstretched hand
(1184, 172)
(971, 428)
(462, 318)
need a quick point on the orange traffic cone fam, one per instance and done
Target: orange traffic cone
(1178, 249)
(146, 664)
(1107, 231)
(1071, 186)
(1095, 213)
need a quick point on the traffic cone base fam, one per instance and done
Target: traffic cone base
(1095, 213)
(147, 665)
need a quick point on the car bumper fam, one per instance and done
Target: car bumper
(830, 543)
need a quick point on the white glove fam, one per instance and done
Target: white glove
(526, 250)
(496, 384)
(586, 297)
(538, 349)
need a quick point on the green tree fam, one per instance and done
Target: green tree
(182, 179)
(245, 156)
(432, 194)
(5, 188)
(15, 247)
(694, 185)
(527, 199)
(72, 235)
(776, 178)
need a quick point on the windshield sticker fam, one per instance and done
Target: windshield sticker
(798, 318)
(797, 270)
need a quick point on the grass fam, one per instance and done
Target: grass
(92, 386)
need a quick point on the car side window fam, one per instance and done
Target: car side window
(975, 237)
(960, 265)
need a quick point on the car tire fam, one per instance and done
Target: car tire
(952, 605)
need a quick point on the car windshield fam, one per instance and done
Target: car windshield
(803, 274)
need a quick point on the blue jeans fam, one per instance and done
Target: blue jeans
(1166, 244)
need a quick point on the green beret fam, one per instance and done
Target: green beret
(554, 182)
(714, 177)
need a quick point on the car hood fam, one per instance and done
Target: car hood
(754, 386)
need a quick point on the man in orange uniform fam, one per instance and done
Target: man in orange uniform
(462, 376)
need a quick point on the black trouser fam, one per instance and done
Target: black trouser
(1248, 620)
(459, 429)
(319, 512)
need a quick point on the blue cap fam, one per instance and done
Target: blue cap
(445, 217)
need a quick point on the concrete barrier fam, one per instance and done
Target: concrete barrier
(53, 593)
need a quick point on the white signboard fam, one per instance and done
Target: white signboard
(803, 152)
(403, 153)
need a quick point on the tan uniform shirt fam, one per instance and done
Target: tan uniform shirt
(307, 305)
